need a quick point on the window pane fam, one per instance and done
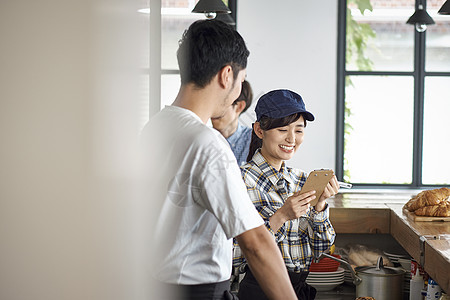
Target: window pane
(437, 55)
(176, 18)
(378, 135)
(436, 135)
(170, 84)
(144, 105)
(385, 40)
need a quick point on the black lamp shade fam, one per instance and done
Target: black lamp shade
(445, 9)
(226, 18)
(420, 16)
(211, 6)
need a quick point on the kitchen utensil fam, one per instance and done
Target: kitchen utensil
(379, 282)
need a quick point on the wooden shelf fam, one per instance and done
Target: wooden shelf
(381, 212)
(360, 220)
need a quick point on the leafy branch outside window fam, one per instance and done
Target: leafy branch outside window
(357, 36)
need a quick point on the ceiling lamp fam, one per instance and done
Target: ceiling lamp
(445, 9)
(420, 19)
(211, 8)
(226, 18)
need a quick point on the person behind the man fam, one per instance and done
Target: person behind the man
(195, 184)
(236, 134)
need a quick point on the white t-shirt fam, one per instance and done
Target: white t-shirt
(197, 186)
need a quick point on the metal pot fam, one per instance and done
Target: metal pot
(379, 282)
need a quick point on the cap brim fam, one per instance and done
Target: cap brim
(308, 116)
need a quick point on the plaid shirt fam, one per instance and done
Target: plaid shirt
(299, 240)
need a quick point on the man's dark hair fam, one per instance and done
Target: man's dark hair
(208, 46)
(246, 95)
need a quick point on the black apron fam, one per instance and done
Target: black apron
(249, 288)
(209, 291)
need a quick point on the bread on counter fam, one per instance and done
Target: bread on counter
(431, 203)
(440, 210)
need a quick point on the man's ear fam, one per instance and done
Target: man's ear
(240, 106)
(258, 130)
(226, 76)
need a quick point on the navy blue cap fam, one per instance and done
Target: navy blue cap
(281, 103)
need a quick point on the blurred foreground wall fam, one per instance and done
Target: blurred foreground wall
(70, 214)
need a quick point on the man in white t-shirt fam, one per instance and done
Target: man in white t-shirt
(195, 183)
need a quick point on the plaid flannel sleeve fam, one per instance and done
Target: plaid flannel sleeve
(266, 207)
(323, 234)
(238, 257)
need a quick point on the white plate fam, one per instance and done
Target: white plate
(321, 287)
(325, 281)
(325, 278)
(395, 256)
(405, 263)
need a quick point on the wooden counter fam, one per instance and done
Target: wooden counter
(381, 212)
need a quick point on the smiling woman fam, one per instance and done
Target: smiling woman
(301, 231)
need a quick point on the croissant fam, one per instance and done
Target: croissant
(440, 210)
(411, 201)
(427, 198)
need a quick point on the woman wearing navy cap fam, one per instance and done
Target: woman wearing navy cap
(301, 232)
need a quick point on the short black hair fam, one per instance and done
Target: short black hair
(246, 95)
(208, 46)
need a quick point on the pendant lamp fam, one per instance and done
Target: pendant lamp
(226, 18)
(445, 9)
(420, 19)
(211, 8)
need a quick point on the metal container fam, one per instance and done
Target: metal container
(379, 282)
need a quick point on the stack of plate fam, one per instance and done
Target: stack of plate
(399, 259)
(406, 282)
(403, 262)
(348, 276)
(325, 281)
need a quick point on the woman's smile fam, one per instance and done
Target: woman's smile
(287, 148)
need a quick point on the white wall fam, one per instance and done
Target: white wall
(67, 129)
(293, 45)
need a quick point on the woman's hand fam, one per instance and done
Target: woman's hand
(293, 208)
(331, 189)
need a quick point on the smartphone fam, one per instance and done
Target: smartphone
(317, 180)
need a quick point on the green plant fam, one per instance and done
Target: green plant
(357, 37)
(358, 34)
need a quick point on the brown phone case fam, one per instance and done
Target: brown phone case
(317, 180)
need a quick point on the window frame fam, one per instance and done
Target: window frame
(232, 5)
(419, 74)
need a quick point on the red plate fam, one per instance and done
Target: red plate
(325, 265)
